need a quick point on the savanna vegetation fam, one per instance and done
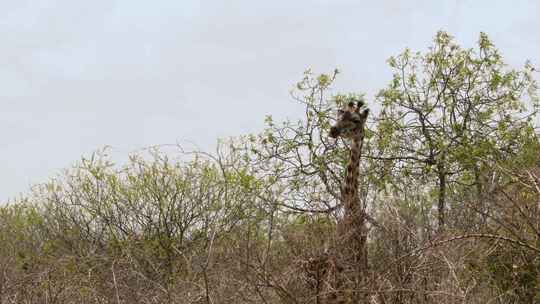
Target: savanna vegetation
(449, 183)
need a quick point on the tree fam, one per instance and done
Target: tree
(447, 111)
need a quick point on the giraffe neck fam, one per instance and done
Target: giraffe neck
(350, 195)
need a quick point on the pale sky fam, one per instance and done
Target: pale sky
(78, 75)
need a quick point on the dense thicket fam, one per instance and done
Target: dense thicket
(450, 185)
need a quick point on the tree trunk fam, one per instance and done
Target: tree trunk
(442, 197)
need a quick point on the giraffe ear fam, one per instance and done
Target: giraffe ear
(365, 113)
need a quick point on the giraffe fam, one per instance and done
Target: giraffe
(352, 228)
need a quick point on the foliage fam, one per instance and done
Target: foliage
(257, 221)
(448, 111)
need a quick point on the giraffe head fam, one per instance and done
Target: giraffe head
(350, 122)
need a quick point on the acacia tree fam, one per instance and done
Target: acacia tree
(299, 156)
(448, 110)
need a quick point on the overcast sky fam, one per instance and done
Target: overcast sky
(78, 75)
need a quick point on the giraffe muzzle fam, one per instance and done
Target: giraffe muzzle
(334, 132)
